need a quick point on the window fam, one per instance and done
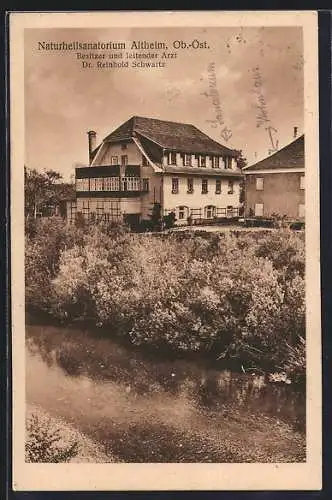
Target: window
(82, 184)
(124, 146)
(210, 211)
(86, 207)
(111, 184)
(124, 160)
(187, 160)
(230, 187)
(302, 182)
(190, 185)
(107, 183)
(100, 209)
(204, 186)
(172, 158)
(100, 184)
(259, 183)
(228, 162)
(71, 211)
(175, 185)
(182, 212)
(111, 210)
(96, 184)
(218, 186)
(146, 185)
(92, 184)
(215, 161)
(259, 207)
(144, 161)
(114, 160)
(202, 161)
(301, 211)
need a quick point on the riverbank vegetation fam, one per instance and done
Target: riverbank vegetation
(51, 440)
(234, 297)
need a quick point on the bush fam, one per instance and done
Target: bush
(286, 251)
(238, 296)
(295, 360)
(46, 442)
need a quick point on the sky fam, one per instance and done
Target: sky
(258, 72)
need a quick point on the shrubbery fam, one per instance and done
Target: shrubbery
(47, 442)
(230, 296)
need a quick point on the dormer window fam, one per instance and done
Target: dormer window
(228, 162)
(202, 161)
(187, 160)
(215, 161)
(172, 158)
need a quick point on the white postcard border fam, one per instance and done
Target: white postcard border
(98, 477)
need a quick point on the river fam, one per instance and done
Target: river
(142, 408)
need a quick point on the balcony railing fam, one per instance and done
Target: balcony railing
(131, 184)
(123, 184)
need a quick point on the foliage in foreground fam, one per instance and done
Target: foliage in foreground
(46, 442)
(236, 297)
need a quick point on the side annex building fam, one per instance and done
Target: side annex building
(147, 161)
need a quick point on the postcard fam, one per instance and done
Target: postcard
(165, 277)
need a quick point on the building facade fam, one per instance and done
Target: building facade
(276, 185)
(147, 161)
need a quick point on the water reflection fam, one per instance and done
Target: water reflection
(138, 406)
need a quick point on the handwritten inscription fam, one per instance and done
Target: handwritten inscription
(262, 118)
(213, 94)
(262, 115)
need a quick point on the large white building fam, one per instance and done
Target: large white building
(147, 161)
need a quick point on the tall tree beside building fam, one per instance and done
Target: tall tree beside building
(241, 163)
(43, 191)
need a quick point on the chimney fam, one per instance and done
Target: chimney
(295, 132)
(92, 143)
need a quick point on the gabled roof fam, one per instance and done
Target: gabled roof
(291, 156)
(181, 137)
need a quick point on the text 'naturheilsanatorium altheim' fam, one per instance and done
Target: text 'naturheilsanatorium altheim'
(110, 45)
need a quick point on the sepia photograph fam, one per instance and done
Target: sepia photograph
(165, 222)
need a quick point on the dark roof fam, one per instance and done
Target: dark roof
(216, 172)
(94, 152)
(291, 156)
(181, 137)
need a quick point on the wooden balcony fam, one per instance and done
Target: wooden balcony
(99, 186)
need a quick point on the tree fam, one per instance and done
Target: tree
(44, 190)
(156, 217)
(241, 163)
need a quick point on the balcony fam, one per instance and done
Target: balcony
(99, 186)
